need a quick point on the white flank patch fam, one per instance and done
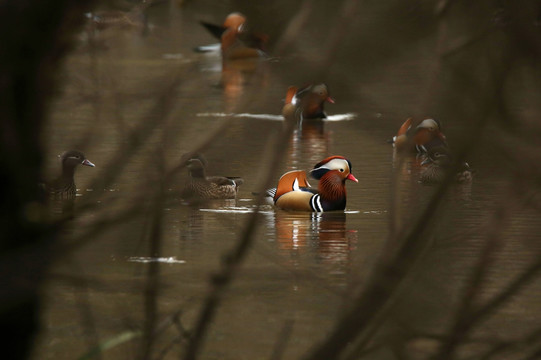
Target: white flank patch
(168, 260)
(341, 117)
(244, 115)
(337, 117)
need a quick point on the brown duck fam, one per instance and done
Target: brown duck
(437, 164)
(62, 190)
(201, 186)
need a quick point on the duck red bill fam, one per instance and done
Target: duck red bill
(330, 99)
(352, 178)
(88, 163)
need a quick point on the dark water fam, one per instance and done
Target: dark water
(302, 269)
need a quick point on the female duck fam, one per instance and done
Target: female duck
(61, 192)
(208, 187)
(438, 162)
(63, 188)
(294, 191)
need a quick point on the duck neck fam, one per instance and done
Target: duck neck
(197, 173)
(68, 172)
(332, 188)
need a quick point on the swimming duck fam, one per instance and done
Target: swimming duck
(237, 41)
(61, 191)
(306, 102)
(208, 187)
(420, 138)
(294, 191)
(63, 188)
(438, 162)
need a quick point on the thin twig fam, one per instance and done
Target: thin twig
(234, 258)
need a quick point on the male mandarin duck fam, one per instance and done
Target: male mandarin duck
(200, 186)
(294, 191)
(61, 192)
(306, 102)
(420, 138)
(237, 41)
(438, 162)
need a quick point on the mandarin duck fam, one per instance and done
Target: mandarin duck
(306, 102)
(237, 41)
(200, 186)
(438, 162)
(420, 138)
(294, 191)
(62, 191)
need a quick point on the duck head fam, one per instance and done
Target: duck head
(197, 166)
(332, 174)
(337, 168)
(428, 130)
(72, 158)
(438, 156)
(235, 21)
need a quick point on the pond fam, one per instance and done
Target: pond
(136, 103)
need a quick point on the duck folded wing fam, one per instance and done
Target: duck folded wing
(291, 181)
(221, 180)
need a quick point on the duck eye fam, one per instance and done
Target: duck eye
(341, 170)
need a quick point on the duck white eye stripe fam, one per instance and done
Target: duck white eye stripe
(335, 164)
(315, 203)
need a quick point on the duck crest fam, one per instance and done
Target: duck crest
(291, 181)
(337, 163)
(327, 160)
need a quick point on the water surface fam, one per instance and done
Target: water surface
(302, 270)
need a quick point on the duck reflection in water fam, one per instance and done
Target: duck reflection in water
(422, 156)
(105, 25)
(240, 75)
(325, 233)
(305, 108)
